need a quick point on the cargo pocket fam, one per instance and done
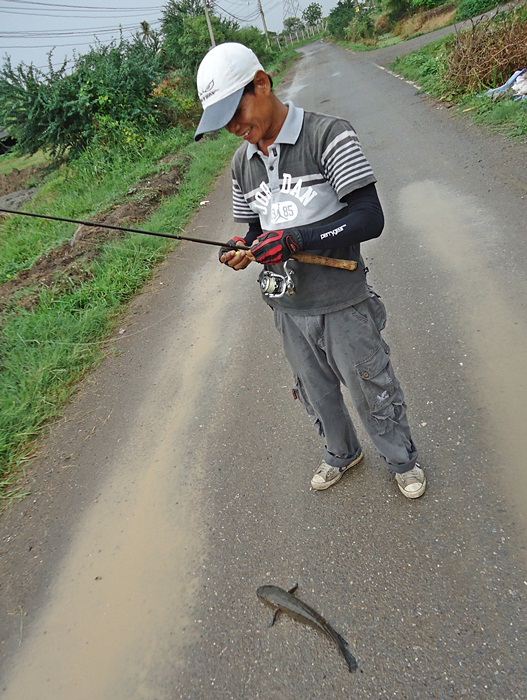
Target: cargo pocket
(299, 393)
(378, 310)
(379, 387)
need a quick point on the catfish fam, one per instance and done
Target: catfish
(284, 601)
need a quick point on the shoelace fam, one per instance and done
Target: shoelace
(411, 476)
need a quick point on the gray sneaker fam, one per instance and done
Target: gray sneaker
(326, 475)
(412, 483)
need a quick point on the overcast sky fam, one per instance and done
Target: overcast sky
(30, 29)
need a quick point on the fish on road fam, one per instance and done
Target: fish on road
(284, 601)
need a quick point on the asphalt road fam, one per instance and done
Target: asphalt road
(178, 481)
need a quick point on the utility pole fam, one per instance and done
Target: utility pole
(263, 21)
(209, 25)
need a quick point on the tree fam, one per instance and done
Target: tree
(187, 40)
(340, 16)
(293, 24)
(180, 16)
(148, 36)
(312, 15)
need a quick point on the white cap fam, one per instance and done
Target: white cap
(222, 76)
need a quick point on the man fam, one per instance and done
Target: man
(302, 183)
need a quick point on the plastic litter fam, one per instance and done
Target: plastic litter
(516, 86)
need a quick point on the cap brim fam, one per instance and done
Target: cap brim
(219, 114)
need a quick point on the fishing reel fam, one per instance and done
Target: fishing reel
(274, 285)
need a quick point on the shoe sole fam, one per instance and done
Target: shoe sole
(414, 494)
(327, 484)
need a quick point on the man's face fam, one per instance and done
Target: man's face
(253, 120)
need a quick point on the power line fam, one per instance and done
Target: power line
(68, 32)
(247, 18)
(76, 7)
(29, 13)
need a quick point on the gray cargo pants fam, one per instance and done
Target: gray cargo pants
(345, 347)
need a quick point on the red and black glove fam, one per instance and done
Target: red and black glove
(233, 242)
(274, 247)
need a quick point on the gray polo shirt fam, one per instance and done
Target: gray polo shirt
(314, 163)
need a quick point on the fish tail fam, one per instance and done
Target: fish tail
(346, 653)
(350, 660)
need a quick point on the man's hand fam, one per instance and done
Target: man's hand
(236, 259)
(273, 247)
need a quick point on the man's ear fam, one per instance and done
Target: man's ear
(262, 84)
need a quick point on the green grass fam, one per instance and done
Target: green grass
(45, 351)
(9, 161)
(89, 185)
(424, 66)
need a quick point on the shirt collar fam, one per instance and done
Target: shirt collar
(289, 132)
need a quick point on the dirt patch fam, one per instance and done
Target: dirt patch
(426, 21)
(66, 263)
(17, 180)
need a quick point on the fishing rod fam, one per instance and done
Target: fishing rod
(301, 257)
(122, 228)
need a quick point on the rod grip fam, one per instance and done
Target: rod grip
(318, 260)
(330, 262)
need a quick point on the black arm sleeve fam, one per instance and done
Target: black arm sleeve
(254, 231)
(362, 220)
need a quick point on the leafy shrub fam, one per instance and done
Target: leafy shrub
(177, 99)
(61, 112)
(397, 9)
(473, 8)
(340, 17)
(487, 54)
(417, 5)
(361, 27)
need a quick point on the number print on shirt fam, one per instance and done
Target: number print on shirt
(282, 212)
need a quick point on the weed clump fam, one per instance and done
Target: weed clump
(488, 53)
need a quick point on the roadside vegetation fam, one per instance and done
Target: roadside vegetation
(109, 138)
(458, 69)
(462, 68)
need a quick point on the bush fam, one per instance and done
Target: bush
(361, 27)
(397, 9)
(487, 54)
(425, 4)
(473, 8)
(61, 112)
(340, 17)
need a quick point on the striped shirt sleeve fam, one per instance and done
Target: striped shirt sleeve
(240, 209)
(345, 165)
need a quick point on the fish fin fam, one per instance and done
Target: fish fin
(276, 613)
(292, 590)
